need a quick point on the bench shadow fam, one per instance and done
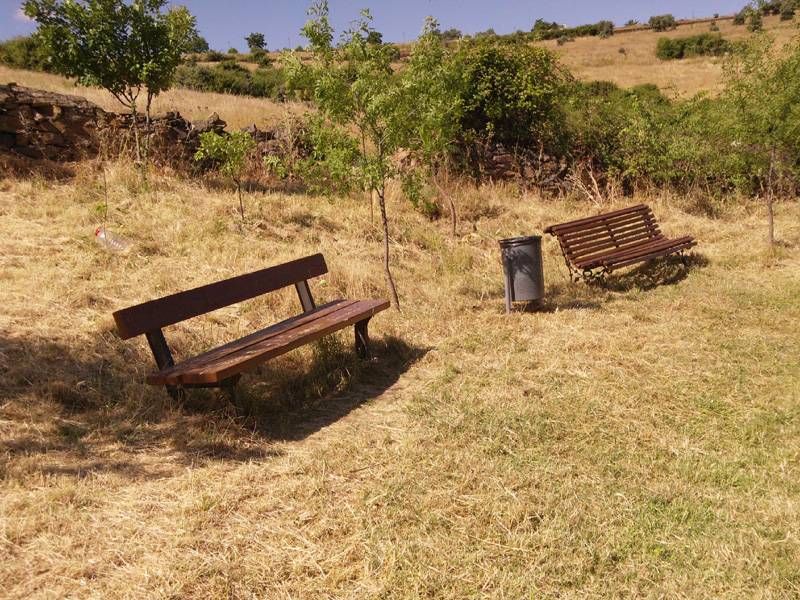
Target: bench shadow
(655, 273)
(76, 409)
(289, 405)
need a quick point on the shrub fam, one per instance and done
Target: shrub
(787, 10)
(231, 78)
(713, 27)
(740, 18)
(260, 57)
(662, 22)
(755, 22)
(510, 94)
(542, 30)
(705, 44)
(23, 53)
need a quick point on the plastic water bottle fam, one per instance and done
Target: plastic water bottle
(111, 241)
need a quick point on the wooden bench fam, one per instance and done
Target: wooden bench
(596, 246)
(223, 366)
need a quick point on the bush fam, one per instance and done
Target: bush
(260, 57)
(705, 44)
(542, 30)
(662, 23)
(231, 78)
(510, 94)
(23, 53)
(755, 22)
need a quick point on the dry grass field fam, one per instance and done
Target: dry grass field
(238, 111)
(595, 59)
(640, 438)
(637, 439)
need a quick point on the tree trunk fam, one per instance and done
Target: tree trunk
(146, 145)
(389, 279)
(136, 140)
(770, 201)
(241, 202)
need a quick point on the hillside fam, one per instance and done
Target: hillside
(592, 58)
(237, 111)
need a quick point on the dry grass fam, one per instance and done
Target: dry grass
(596, 59)
(238, 111)
(637, 439)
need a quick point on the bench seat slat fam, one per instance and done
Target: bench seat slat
(633, 253)
(217, 353)
(618, 243)
(290, 335)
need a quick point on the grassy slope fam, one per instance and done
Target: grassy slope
(589, 58)
(238, 111)
(596, 59)
(629, 440)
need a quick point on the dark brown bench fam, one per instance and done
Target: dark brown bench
(598, 245)
(223, 366)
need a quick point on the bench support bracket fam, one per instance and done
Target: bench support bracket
(164, 360)
(362, 339)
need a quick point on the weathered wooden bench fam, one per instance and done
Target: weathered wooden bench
(223, 366)
(595, 246)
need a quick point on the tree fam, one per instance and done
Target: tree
(129, 49)
(374, 37)
(197, 44)
(362, 119)
(755, 21)
(662, 22)
(452, 34)
(763, 88)
(230, 153)
(434, 106)
(787, 10)
(256, 41)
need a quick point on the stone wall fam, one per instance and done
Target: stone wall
(38, 124)
(35, 124)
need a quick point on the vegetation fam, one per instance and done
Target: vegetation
(24, 52)
(662, 23)
(256, 41)
(229, 153)
(704, 44)
(231, 78)
(542, 30)
(126, 49)
(364, 116)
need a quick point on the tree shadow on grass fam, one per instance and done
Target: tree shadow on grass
(73, 409)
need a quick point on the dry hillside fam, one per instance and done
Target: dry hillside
(592, 58)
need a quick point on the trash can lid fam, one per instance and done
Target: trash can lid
(519, 241)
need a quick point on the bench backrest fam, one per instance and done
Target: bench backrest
(152, 316)
(609, 231)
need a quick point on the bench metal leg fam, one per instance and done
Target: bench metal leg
(362, 339)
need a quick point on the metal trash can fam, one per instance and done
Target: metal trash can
(522, 265)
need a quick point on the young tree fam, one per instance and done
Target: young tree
(436, 109)
(256, 41)
(362, 117)
(230, 153)
(130, 49)
(764, 91)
